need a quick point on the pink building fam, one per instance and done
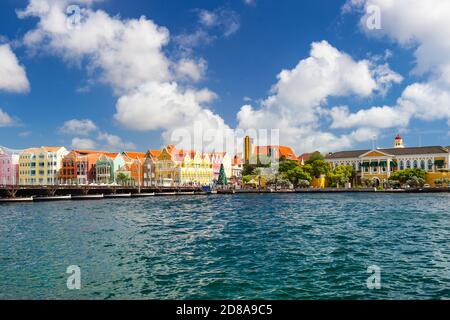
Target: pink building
(9, 167)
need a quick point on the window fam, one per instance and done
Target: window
(402, 165)
(415, 164)
(422, 164)
(430, 165)
(408, 164)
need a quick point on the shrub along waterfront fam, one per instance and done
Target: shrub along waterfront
(292, 174)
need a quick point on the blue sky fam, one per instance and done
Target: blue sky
(235, 50)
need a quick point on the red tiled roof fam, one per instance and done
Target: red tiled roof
(86, 152)
(282, 151)
(306, 156)
(134, 155)
(154, 153)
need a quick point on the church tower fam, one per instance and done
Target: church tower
(398, 143)
(248, 149)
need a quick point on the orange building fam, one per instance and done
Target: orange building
(79, 167)
(276, 152)
(135, 164)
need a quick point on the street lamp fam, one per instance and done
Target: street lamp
(139, 174)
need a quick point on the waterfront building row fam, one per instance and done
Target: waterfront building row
(166, 167)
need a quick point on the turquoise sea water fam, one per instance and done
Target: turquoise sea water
(293, 246)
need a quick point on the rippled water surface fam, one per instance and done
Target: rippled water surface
(292, 246)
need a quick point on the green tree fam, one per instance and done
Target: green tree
(318, 168)
(122, 178)
(408, 174)
(315, 156)
(368, 183)
(340, 175)
(297, 174)
(248, 169)
(415, 182)
(303, 183)
(222, 176)
(287, 165)
(279, 181)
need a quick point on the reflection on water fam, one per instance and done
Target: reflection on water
(293, 246)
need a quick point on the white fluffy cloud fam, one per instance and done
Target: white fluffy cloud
(298, 101)
(13, 77)
(83, 144)
(423, 26)
(83, 132)
(160, 105)
(78, 127)
(127, 54)
(5, 119)
(379, 117)
(113, 142)
(225, 20)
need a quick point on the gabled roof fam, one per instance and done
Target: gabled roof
(105, 157)
(389, 151)
(32, 150)
(154, 153)
(287, 152)
(377, 151)
(414, 150)
(346, 154)
(282, 150)
(306, 156)
(52, 149)
(134, 155)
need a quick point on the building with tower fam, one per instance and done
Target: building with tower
(378, 164)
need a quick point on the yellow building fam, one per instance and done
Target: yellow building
(166, 173)
(41, 166)
(196, 169)
(175, 167)
(378, 164)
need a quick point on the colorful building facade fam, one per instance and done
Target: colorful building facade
(9, 167)
(195, 169)
(106, 167)
(149, 168)
(266, 154)
(176, 167)
(41, 166)
(166, 172)
(135, 163)
(79, 167)
(378, 164)
(237, 167)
